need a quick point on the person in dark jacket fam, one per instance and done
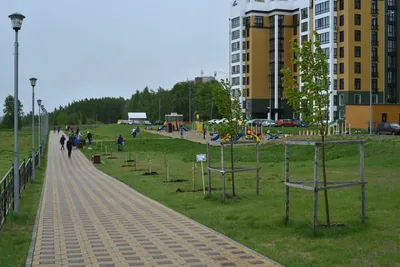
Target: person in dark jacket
(89, 137)
(69, 147)
(119, 142)
(62, 142)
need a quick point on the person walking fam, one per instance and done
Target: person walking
(89, 137)
(119, 143)
(62, 142)
(69, 147)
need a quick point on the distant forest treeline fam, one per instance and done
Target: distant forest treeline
(156, 103)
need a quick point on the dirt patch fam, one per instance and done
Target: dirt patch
(197, 190)
(176, 181)
(150, 173)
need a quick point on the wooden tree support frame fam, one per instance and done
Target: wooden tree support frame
(315, 185)
(224, 170)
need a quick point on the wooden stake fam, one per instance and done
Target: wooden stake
(287, 179)
(223, 174)
(363, 185)
(209, 172)
(316, 166)
(258, 171)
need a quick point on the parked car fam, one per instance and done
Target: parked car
(268, 123)
(136, 122)
(213, 121)
(147, 122)
(286, 123)
(257, 122)
(221, 121)
(301, 123)
(388, 128)
(158, 122)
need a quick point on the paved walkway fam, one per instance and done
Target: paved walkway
(88, 218)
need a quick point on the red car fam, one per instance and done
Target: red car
(286, 123)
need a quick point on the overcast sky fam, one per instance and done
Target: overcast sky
(96, 48)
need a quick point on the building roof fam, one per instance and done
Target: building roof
(137, 115)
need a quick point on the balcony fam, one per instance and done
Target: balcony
(374, 74)
(374, 27)
(374, 58)
(375, 42)
(374, 11)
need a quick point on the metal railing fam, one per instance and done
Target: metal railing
(7, 185)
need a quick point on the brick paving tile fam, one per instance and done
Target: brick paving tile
(88, 218)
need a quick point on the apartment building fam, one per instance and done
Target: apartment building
(359, 37)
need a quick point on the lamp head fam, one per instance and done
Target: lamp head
(33, 81)
(39, 102)
(16, 21)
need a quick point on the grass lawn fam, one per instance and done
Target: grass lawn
(258, 221)
(7, 148)
(16, 233)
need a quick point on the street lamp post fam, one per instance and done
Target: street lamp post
(45, 128)
(39, 102)
(16, 22)
(33, 84)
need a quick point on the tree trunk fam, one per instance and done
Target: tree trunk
(328, 221)
(233, 174)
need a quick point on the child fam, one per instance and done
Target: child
(62, 141)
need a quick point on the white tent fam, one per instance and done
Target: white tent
(137, 116)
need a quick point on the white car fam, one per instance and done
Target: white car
(213, 121)
(147, 123)
(221, 121)
(268, 123)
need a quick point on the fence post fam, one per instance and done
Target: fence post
(12, 184)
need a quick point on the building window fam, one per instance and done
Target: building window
(357, 84)
(324, 38)
(248, 56)
(341, 100)
(304, 13)
(304, 38)
(248, 69)
(375, 99)
(235, 81)
(235, 46)
(341, 52)
(244, 69)
(327, 52)
(341, 4)
(322, 8)
(244, 81)
(335, 52)
(357, 19)
(248, 80)
(248, 45)
(341, 36)
(357, 99)
(247, 92)
(322, 23)
(357, 4)
(374, 70)
(335, 69)
(357, 35)
(235, 58)
(259, 21)
(235, 34)
(304, 26)
(341, 68)
(357, 51)
(236, 69)
(341, 20)
(235, 22)
(357, 67)
(341, 84)
(341, 114)
(335, 84)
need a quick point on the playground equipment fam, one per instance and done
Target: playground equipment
(273, 136)
(253, 132)
(173, 122)
(224, 170)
